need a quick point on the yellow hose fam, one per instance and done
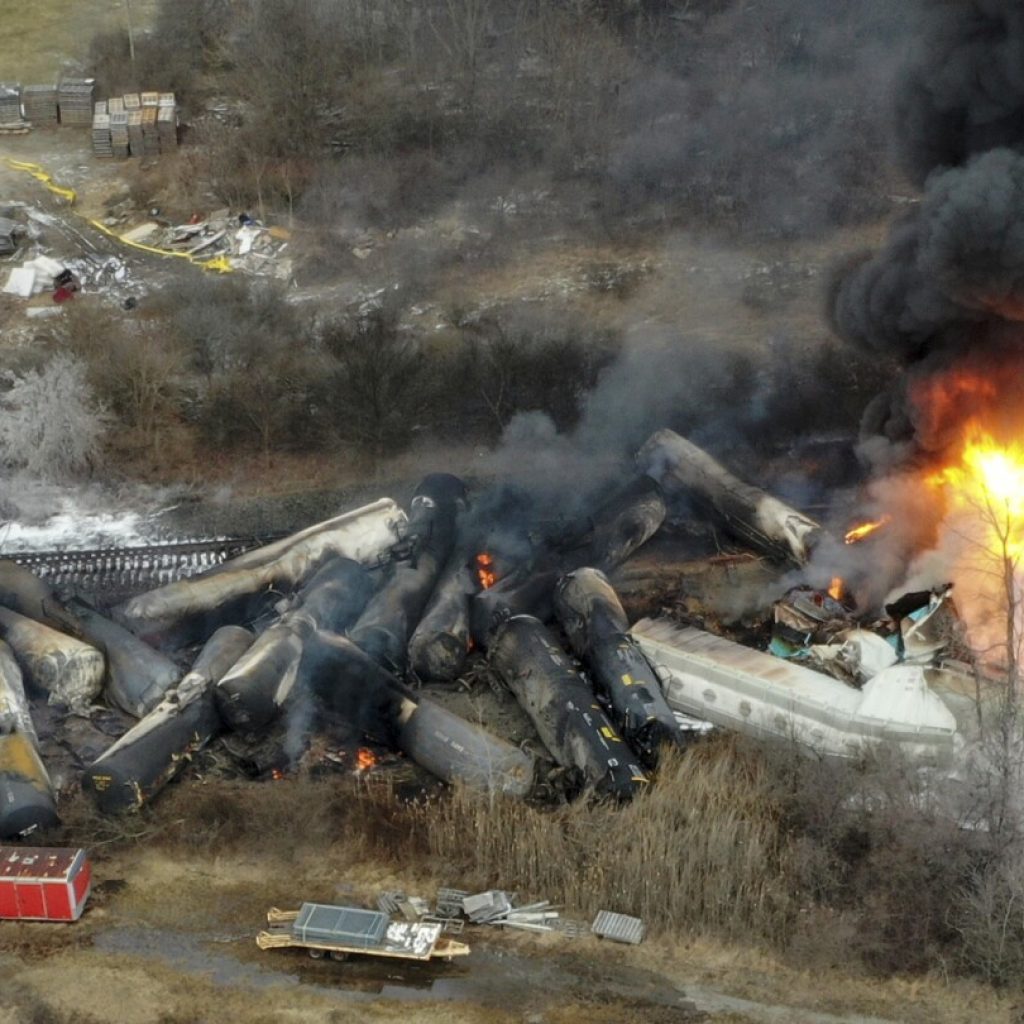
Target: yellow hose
(221, 264)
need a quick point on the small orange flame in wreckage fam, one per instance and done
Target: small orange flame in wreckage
(485, 570)
(836, 589)
(277, 775)
(865, 529)
(365, 759)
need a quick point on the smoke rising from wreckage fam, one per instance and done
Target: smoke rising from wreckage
(336, 609)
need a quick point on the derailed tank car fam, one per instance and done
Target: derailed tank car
(563, 708)
(598, 630)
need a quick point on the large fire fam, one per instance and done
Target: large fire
(981, 540)
(987, 482)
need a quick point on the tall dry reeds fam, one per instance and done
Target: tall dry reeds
(701, 851)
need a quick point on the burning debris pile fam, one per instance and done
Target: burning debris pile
(350, 637)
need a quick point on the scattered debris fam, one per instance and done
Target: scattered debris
(618, 927)
(496, 907)
(10, 232)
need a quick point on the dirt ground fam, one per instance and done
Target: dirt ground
(170, 940)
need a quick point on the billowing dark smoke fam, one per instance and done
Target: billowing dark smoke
(956, 262)
(965, 93)
(947, 291)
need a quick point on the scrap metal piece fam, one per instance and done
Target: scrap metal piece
(928, 632)
(752, 514)
(449, 902)
(571, 928)
(618, 927)
(135, 768)
(855, 655)
(562, 707)
(598, 632)
(486, 906)
(68, 670)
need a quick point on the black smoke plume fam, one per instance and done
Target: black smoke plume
(947, 291)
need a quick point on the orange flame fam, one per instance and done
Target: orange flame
(836, 588)
(865, 529)
(485, 570)
(988, 480)
(365, 759)
(277, 775)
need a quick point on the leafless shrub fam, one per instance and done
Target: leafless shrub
(51, 425)
(988, 912)
(134, 367)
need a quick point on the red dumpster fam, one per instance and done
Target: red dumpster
(40, 884)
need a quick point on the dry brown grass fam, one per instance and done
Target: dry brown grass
(699, 852)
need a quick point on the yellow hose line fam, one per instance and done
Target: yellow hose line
(39, 174)
(221, 264)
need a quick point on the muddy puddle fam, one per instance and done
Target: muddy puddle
(489, 977)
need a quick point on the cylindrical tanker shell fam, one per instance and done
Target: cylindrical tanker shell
(562, 707)
(24, 592)
(440, 643)
(232, 592)
(68, 670)
(137, 675)
(598, 631)
(135, 768)
(26, 796)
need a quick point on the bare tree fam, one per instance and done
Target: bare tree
(51, 425)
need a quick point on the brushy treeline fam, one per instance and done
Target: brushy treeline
(764, 116)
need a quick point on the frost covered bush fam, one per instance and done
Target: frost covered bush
(50, 423)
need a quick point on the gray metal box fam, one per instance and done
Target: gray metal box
(340, 926)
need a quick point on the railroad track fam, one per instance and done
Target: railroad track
(113, 572)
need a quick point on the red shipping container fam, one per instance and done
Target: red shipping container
(39, 884)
